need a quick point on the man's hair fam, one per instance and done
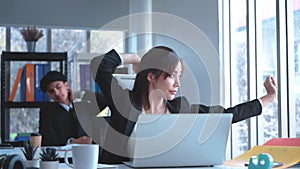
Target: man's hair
(51, 77)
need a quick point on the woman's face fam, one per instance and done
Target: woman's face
(166, 87)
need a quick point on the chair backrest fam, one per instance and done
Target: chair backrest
(94, 126)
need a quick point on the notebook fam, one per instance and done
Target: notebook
(180, 140)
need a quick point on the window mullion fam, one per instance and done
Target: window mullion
(88, 40)
(8, 37)
(282, 68)
(291, 70)
(49, 40)
(259, 47)
(225, 54)
(251, 57)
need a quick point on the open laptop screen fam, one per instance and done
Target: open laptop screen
(181, 140)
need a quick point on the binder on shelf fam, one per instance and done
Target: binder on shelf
(46, 70)
(27, 84)
(95, 87)
(16, 84)
(22, 85)
(85, 77)
(39, 73)
(86, 80)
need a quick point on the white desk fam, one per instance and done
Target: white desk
(64, 166)
(18, 151)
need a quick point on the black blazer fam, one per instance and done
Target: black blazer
(124, 111)
(58, 125)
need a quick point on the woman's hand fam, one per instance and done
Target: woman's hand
(133, 59)
(271, 87)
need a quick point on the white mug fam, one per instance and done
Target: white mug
(83, 156)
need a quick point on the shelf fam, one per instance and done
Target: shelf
(33, 56)
(57, 61)
(23, 104)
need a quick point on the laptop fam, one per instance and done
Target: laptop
(180, 140)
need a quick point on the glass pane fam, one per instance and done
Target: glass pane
(17, 42)
(73, 41)
(23, 121)
(41, 44)
(103, 41)
(296, 7)
(239, 71)
(2, 38)
(267, 63)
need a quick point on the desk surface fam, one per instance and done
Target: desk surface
(64, 166)
(18, 151)
(100, 166)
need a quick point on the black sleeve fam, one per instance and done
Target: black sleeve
(102, 68)
(240, 112)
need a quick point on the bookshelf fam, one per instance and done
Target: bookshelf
(81, 75)
(11, 61)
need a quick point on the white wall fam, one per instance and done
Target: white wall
(193, 31)
(70, 13)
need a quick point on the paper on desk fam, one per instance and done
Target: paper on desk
(288, 155)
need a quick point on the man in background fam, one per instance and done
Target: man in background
(58, 120)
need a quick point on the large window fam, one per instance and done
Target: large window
(296, 43)
(266, 61)
(239, 71)
(73, 41)
(262, 44)
(2, 38)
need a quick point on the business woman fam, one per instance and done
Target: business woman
(157, 82)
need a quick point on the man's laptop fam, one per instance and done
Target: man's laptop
(179, 140)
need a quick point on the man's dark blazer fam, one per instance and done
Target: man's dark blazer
(125, 111)
(57, 125)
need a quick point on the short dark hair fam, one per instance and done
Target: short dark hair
(51, 77)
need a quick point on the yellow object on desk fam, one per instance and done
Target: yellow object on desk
(288, 155)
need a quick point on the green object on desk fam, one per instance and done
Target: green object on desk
(262, 161)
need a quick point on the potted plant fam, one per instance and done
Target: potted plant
(49, 158)
(29, 152)
(31, 35)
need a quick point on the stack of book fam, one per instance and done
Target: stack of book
(86, 80)
(28, 80)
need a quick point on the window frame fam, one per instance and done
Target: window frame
(285, 65)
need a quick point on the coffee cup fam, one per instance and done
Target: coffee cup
(83, 156)
(36, 139)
